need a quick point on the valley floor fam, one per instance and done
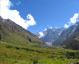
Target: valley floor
(11, 54)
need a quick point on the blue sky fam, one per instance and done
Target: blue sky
(47, 13)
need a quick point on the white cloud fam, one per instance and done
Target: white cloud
(14, 15)
(74, 18)
(66, 26)
(41, 34)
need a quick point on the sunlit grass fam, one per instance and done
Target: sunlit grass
(12, 54)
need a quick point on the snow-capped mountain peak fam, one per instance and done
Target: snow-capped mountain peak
(49, 35)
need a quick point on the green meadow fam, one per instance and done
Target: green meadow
(13, 54)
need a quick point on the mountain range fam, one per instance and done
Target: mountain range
(50, 35)
(12, 33)
(67, 38)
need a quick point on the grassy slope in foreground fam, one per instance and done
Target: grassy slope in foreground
(11, 54)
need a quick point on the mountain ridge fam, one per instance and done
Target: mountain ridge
(11, 32)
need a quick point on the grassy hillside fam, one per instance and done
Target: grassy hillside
(15, 34)
(12, 54)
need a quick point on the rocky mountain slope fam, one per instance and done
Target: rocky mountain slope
(69, 38)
